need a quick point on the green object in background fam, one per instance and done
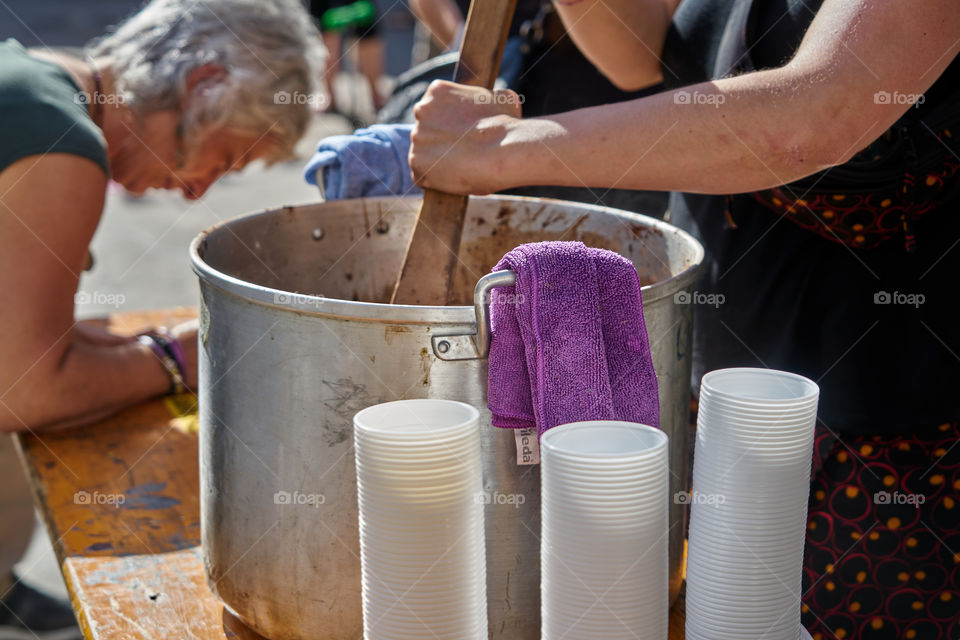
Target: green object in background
(359, 14)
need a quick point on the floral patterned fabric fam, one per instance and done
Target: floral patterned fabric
(868, 219)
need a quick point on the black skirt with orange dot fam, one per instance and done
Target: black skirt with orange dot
(882, 557)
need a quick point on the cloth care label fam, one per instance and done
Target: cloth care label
(528, 446)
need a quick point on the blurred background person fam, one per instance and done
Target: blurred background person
(356, 25)
(444, 19)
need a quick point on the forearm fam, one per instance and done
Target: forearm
(93, 332)
(622, 38)
(78, 382)
(735, 135)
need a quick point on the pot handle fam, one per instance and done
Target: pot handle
(475, 345)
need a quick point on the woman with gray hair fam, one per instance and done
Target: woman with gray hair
(211, 71)
(178, 95)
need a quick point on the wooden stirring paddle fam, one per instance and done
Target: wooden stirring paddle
(431, 256)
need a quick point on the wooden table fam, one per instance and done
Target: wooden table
(120, 500)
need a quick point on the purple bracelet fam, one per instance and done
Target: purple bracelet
(169, 352)
(175, 350)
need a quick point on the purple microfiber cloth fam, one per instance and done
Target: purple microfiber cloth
(568, 341)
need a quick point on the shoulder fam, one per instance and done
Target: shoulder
(53, 181)
(52, 204)
(43, 111)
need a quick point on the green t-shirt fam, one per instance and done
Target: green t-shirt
(41, 111)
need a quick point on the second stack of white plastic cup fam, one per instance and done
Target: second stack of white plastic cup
(422, 547)
(751, 475)
(604, 543)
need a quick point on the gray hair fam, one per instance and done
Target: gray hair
(269, 49)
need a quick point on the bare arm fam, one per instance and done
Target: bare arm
(622, 38)
(51, 373)
(441, 17)
(733, 135)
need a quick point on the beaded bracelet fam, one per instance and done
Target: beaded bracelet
(169, 352)
(175, 350)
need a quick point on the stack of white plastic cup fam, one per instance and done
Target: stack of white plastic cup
(603, 553)
(751, 476)
(423, 558)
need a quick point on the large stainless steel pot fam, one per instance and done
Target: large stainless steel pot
(296, 338)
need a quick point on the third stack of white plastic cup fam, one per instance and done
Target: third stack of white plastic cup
(421, 521)
(751, 473)
(603, 552)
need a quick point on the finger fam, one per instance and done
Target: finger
(413, 159)
(192, 325)
(441, 88)
(509, 102)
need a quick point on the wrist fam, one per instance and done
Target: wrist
(494, 158)
(156, 377)
(523, 156)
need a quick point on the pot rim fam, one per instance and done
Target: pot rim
(416, 314)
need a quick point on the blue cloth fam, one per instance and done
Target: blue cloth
(371, 162)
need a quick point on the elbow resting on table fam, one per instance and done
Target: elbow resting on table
(35, 390)
(17, 411)
(10, 420)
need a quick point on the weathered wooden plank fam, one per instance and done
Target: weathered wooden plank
(121, 502)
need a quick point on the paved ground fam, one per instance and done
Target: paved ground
(141, 244)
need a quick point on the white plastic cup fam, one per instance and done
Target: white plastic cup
(762, 387)
(423, 555)
(755, 433)
(604, 536)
